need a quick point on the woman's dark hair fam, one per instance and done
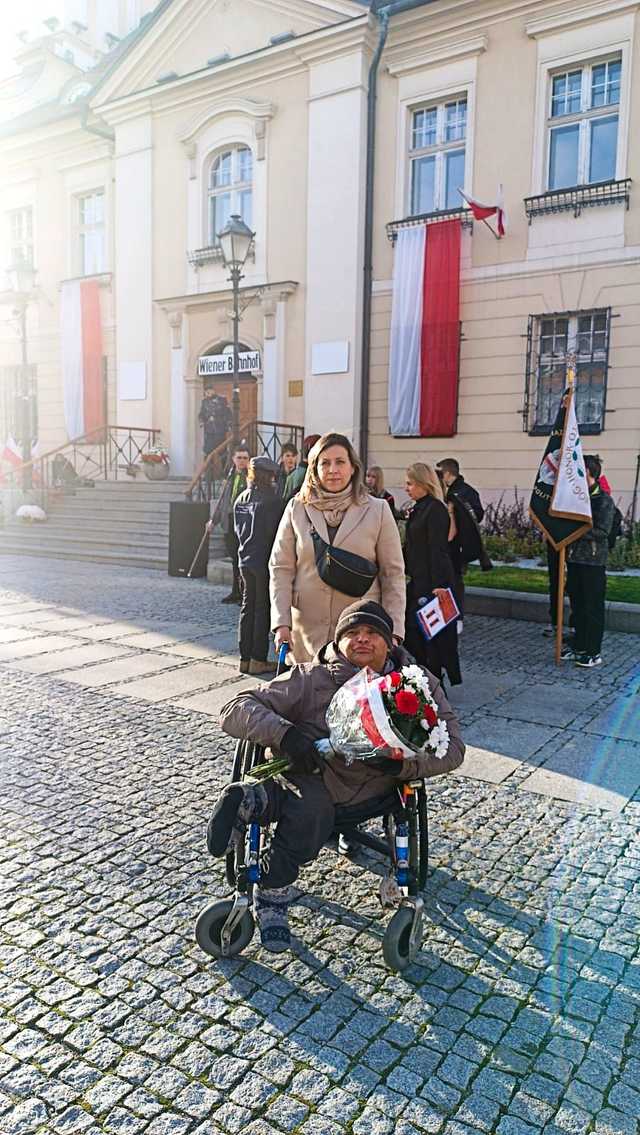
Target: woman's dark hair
(260, 478)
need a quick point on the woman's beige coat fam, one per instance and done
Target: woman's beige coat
(299, 598)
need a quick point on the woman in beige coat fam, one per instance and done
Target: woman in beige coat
(333, 500)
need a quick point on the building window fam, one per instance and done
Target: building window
(436, 156)
(583, 124)
(91, 233)
(553, 341)
(21, 236)
(230, 189)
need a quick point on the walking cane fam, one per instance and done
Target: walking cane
(200, 547)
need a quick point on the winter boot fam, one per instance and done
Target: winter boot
(239, 805)
(271, 909)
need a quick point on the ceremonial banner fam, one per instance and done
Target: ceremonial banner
(81, 341)
(560, 503)
(425, 331)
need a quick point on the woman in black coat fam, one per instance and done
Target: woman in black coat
(256, 516)
(430, 570)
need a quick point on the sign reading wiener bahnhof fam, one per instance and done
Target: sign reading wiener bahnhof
(248, 361)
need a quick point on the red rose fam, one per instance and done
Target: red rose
(407, 702)
(430, 716)
(395, 679)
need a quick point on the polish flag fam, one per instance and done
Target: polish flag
(10, 455)
(482, 212)
(81, 336)
(425, 331)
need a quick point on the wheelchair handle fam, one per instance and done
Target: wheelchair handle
(282, 655)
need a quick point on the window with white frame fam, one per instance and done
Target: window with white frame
(437, 155)
(91, 233)
(582, 124)
(230, 189)
(554, 340)
(21, 236)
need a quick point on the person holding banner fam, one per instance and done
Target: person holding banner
(561, 500)
(430, 571)
(586, 574)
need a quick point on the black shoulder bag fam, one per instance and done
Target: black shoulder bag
(344, 571)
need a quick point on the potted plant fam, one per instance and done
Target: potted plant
(155, 462)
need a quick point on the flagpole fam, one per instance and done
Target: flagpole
(571, 378)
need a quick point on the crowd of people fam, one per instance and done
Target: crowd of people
(292, 529)
(309, 533)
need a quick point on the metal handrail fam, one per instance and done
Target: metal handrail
(197, 479)
(262, 438)
(108, 441)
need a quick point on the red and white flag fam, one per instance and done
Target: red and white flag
(425, 331)
(81, 333)
(482, 212)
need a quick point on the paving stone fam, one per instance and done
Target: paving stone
(520, 1013)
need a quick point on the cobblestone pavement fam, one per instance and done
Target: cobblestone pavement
(521, 1013)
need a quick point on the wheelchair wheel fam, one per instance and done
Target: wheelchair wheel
(396, 947)
(209, 924)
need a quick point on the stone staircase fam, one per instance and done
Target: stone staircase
(116, 522)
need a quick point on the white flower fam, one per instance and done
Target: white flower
(413, 673)
(439, 739)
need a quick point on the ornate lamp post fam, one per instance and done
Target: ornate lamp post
(236, 240)
(21, 277)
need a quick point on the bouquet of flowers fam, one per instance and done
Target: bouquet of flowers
(390, 716)
(155, 455)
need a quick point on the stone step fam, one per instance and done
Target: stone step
(69, 551)
(38, 534)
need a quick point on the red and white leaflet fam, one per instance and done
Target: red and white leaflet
(436, 615)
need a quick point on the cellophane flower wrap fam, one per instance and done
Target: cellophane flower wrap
(391, 716)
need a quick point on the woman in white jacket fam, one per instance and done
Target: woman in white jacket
(334, 502)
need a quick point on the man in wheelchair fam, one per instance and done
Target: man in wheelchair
(288, 716)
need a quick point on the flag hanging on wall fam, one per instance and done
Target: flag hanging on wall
(482, 212)
(81, 334)
(425, 331)
(560, 502)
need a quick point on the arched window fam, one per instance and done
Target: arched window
(230, 189)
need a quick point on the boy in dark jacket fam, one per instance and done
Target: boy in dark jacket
(586, 574)
(256, 516)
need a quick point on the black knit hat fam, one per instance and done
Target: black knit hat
(371, 614)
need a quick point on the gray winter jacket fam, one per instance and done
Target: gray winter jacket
(301, 697)
(593, 547)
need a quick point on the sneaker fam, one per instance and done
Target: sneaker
(345, 846)
(568, 654)
(549, 632)
(262, 669)
(588, 661)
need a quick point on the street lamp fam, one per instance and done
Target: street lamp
(21, 278)
(235, 240)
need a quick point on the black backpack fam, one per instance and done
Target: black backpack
(616, 528)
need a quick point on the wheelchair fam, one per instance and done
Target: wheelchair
(225, 928)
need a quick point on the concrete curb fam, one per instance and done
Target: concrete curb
(499, 604)
(535, 608)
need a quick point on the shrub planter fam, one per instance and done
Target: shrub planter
(155, 470)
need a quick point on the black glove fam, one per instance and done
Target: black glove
(299, 750)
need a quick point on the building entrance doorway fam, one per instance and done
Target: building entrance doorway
(223, 384)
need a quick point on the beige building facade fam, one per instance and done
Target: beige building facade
(207, 108)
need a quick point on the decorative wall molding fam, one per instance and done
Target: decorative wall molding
(260, 110)
(407, 59)
(583, 13)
